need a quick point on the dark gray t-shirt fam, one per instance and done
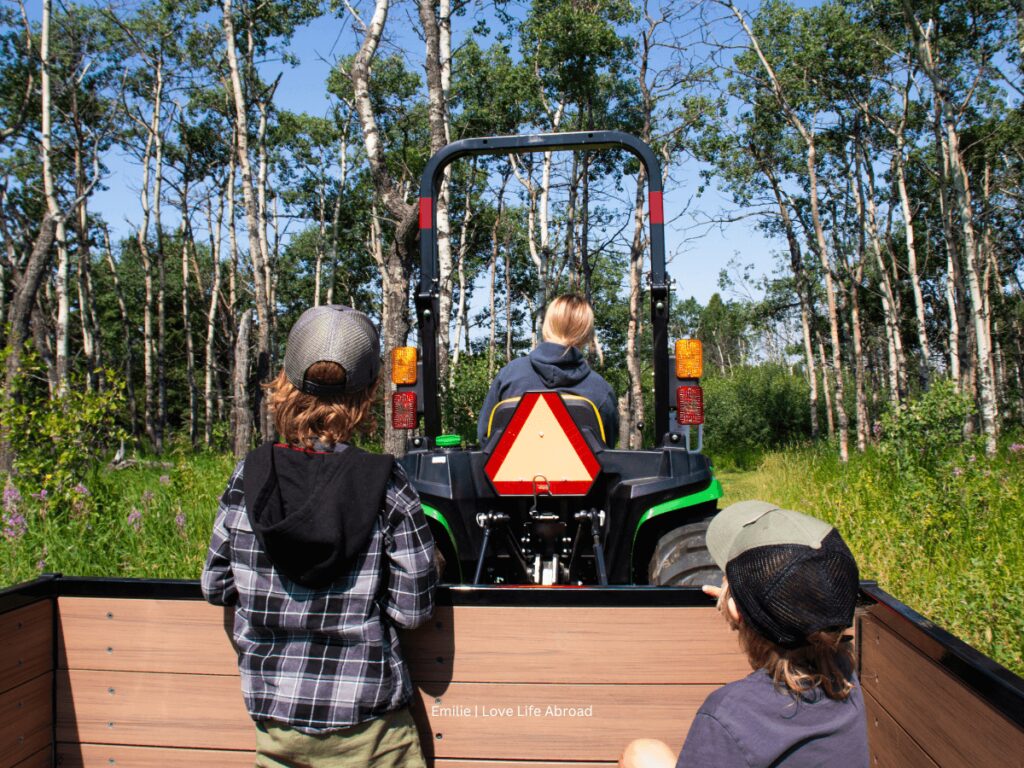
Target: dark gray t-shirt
(753, 724)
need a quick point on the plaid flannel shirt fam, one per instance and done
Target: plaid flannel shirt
(324, 659)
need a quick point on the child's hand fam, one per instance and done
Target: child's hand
(711, 590)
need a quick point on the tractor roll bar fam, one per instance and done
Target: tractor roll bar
(427, 297)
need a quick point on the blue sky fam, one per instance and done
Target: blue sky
(697, 253)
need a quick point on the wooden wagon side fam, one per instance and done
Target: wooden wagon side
(137, 673)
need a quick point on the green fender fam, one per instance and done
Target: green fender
(711, 493)
(436, 515)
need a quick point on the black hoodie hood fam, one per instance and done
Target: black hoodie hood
(559, 366)
(314, 511)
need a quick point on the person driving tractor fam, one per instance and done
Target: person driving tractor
(557, 363)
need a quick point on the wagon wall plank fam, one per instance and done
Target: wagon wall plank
(41, 759)
(890, 745)
(27, 715)
(474, 720)
(953, 725)
(152, 709)
(467, 644)
(575, 645)
(554, 722)
(106, 755)
(28, 644)
(145, 636)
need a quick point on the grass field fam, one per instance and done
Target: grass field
(949, 542)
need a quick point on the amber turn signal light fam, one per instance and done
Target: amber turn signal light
(689, 359)
(403, 365)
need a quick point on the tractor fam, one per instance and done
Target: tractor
(544, 500)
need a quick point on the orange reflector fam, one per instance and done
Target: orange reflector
(690, 405)
(689, 359)
(403, 410)
(403, 365)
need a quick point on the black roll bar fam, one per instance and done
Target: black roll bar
(427, 300)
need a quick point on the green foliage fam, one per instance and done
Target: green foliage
(928, 431)
(57, 440)
(753, 409)
(461, 401)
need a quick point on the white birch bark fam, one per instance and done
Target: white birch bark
(257, 242)
(971, 260)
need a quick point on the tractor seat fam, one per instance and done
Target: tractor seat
(582, 410)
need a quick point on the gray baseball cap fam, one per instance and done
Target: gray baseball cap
(337, 334)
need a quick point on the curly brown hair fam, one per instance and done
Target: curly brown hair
(302, 419)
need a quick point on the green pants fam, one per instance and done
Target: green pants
(390, 741)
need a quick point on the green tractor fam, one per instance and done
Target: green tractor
(544, 500)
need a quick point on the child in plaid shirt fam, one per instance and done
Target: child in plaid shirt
(323, 551)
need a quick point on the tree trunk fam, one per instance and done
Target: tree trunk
(211, 314)
(396, 266)
(126, 334)
(253, 219)
(186, 321)
(241, 416)
(899, 166)
(803, 292)
(631, 435)
(438, 121)
(819, 233)
(20, 316)
(890, 310)
(827, 390)
(962, 196)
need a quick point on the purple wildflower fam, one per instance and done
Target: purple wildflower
(40, 495)
(179, 520)
(11, 498)
(1016, 448)
(147, 496)
(41, 565)
(972, 459)
(165, 480)
(14, 525)
(876, 430)
(81, 490)
(135, 519)
(957, 472)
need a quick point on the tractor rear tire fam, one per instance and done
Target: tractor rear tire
(681, 558)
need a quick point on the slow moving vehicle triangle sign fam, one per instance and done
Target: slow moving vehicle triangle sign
(542, 451)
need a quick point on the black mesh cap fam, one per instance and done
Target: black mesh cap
(336, 334)
(786, 592)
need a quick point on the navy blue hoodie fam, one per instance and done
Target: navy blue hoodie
(552, 366)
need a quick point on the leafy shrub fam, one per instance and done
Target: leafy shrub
(751, 410)
(56, 441)
(928, 430)
(461, 401)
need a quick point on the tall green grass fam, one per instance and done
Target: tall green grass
(948, 541)
(152, 520)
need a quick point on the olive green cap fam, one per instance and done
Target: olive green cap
(748, 524)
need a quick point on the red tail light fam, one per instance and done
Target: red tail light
(403, 410)
(690, 405)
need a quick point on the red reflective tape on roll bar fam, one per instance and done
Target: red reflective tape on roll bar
(426, 213)
(657, 212)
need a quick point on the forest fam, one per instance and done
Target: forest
(165, 218)
(878, 144)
